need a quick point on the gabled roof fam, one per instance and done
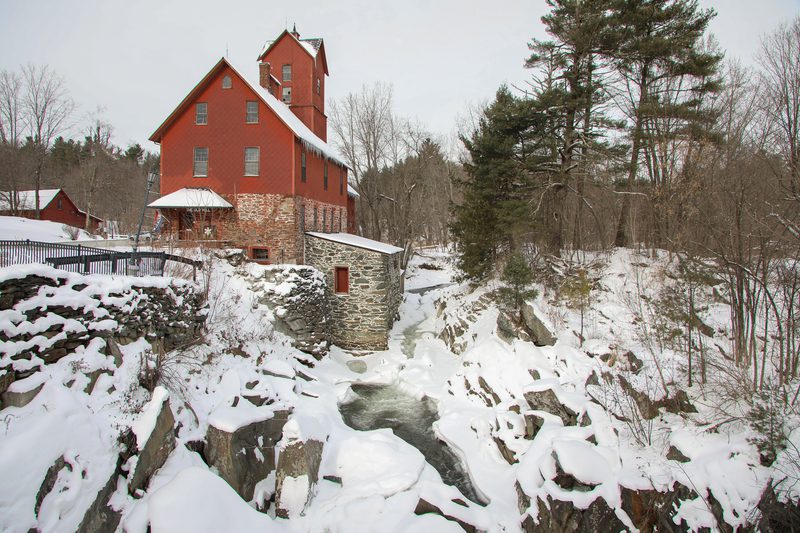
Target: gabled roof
(312, 46)
(357, 241)
(26, 200)
(300, 130)
(191, 198)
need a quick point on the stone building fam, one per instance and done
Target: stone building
(366, 280)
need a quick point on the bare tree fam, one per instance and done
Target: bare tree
(46, 110)
(366, 133)
(10, 126)
(780, 82)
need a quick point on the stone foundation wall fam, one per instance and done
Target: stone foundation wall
(362, 317)
(273, 221)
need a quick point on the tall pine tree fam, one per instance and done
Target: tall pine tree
(496, 211)
(658, 50)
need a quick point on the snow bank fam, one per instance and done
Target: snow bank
(146, 422)
(198, 501)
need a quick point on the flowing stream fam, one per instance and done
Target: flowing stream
(386, 406)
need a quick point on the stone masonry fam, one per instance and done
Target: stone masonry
(362, 317)
(274, 221)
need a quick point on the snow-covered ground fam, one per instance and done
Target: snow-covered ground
(479, 394)
(14, 228)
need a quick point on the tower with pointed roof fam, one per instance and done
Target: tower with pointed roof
(294, 70)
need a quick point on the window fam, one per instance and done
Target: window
(341, 182)
(341, 280)
(251, 158)
(226, 82)
(303, 166)
(333, 228)
(324, 219)
(259, 254)
(341, 220)
(201, 162)
(201, 113)
(60, 205)
(315, 219)
(318, 85)
(302, 218)
(286, 73)
(287, 95)
(325, 176)
(252, 113)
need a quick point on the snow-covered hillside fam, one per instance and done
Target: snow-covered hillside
(14, 228)
(535, 426)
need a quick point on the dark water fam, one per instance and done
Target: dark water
(385, 406)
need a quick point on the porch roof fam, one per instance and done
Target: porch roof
(191, 198)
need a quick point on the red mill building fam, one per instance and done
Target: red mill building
(247, 162)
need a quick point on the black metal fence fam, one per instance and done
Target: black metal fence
(89, 260)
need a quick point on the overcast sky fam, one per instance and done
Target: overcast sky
(137, 60)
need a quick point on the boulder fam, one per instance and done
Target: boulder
(540, 334)
(100, 517)
(155, 447)
(296, 475)
(245, 455)
(357, 366)
(559, 516)
(19, 398)
(49, 481)
(425, 507)
(548, 402)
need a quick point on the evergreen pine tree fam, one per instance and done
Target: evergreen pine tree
(496, 208)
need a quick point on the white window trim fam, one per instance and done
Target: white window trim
(195, 161)
(247, 112)
(197, 114)
(257, 161)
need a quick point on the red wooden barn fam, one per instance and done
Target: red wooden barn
(54, 205)
(246, 161)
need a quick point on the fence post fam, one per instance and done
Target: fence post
(113, 262)
(86, 264)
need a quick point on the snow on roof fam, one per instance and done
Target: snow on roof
(309, 139)
(26, 200)
(357, 241)
(311, 45)
(352, 192)
(192, 197)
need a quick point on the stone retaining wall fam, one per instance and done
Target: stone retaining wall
(72, 310)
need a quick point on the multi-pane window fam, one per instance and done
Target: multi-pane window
(201, 113)
(287, 95)
(226, 82)
(303, 218)
(325, 176)
(324, 219)
(201, 162)
(303, 166)
(251, 161)
(251, 116)
(286, 73)
(341, 182)
(318, 85)
(341, 220)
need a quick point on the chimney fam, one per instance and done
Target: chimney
(264, 70)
